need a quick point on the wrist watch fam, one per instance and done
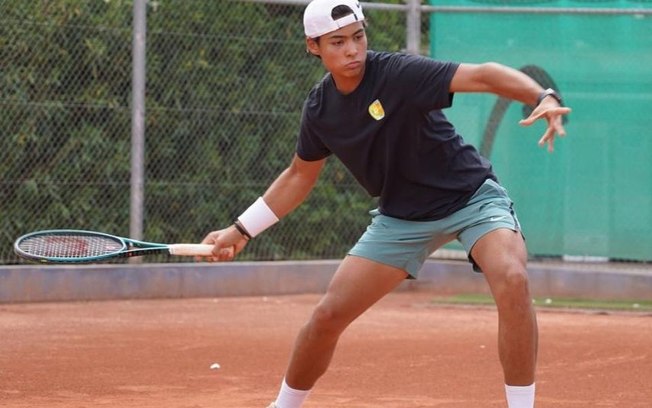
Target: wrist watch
(549, 92)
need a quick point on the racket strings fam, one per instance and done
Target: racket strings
(69, 246)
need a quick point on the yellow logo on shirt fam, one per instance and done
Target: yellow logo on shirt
(376, 110)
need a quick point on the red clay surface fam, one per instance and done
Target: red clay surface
(404, 353)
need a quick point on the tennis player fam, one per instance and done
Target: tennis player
(381, 115)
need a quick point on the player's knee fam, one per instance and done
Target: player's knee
(512, 284)
(516, 278)
(327, 320)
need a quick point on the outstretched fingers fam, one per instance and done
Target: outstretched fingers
(549, 113)
(549, 139)
(555, 127)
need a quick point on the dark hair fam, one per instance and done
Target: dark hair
(341, 11)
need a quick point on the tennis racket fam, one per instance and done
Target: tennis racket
(76, 246)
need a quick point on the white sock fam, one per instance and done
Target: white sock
(520, 397)
(289, 397)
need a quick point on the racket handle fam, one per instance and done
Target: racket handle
(191, 249)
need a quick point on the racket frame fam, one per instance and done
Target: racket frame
(130, 248)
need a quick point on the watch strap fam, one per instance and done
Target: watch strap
(549, 92)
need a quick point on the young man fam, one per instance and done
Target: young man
(380, 114)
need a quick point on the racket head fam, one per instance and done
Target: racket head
(69, 246)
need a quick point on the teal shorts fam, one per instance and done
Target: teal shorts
(407, 244)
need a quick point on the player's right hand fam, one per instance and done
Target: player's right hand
(227, 243)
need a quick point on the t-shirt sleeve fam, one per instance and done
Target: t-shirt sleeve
(425, 81)
(310, 147)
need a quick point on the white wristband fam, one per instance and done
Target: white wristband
(258, 217)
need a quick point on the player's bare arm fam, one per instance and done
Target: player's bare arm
(285, 194)
(293, 186)
(513, 84)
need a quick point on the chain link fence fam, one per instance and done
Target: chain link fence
(225, 86)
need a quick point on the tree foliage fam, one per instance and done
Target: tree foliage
(225, 86)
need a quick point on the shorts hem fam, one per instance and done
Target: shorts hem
(411, 274)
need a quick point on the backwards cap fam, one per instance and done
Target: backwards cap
(318, 17)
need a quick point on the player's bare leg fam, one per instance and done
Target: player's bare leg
(357, 285)
(502, 256)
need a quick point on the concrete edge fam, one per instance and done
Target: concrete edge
(54, 283)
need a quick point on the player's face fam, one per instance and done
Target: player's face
(343, 52)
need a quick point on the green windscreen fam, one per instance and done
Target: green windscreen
(593, 195)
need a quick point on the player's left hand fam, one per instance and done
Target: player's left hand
(549, 110)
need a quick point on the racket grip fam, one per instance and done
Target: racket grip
(191, 249)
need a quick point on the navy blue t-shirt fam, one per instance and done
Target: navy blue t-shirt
(392, 136)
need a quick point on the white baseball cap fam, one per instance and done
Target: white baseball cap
(318, 19)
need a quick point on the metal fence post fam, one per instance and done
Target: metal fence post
(138, 120)
(413, 22)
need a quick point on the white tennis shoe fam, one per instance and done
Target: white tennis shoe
(272, 405)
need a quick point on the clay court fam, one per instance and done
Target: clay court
(406, 352)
